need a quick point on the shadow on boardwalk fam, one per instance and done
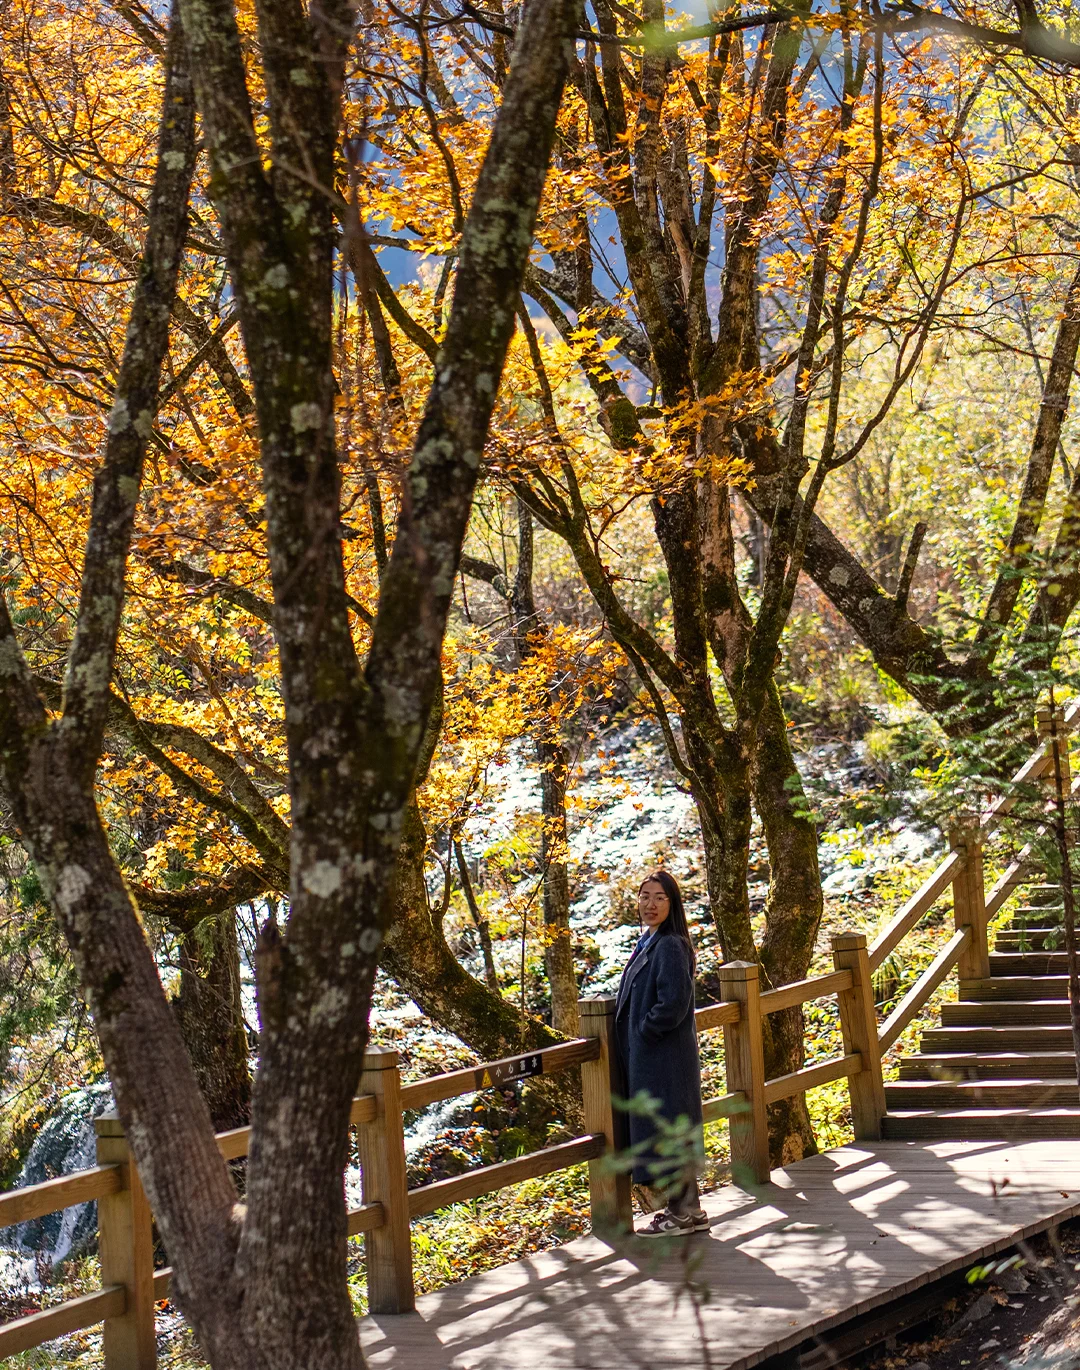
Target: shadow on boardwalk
(828, 1238)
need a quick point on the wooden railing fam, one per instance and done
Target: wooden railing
(130, 1284)
(968, 950)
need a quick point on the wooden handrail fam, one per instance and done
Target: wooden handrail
(1018, 869)
(1014, 874)
(810, 1077)
(723, 1106)
(436, 1088)
(801, 991)
(366, 1218)
(35, 1200)
(923, 988)
(716, 1015)
(910, 912)
(946, 871)
(475, 1183)
(23, 1334)
(236, 1142)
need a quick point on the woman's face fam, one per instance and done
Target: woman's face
(653, 904)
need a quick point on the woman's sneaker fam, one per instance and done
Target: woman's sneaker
(667, 1224)
(701, 1220)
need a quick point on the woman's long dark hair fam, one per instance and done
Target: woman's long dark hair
(675, 924)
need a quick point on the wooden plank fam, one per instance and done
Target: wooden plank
(920, 902)
(236, 1142)
(723, 1106)
(858, 1027)
(366, 1218)
(810, 1077)
(922, 989)
(716, 1015)
(745, 1063)
(474, 1183)
(801, 991)
(381, 1144)
(363, 1109)
(436, 1088)
(1033, 768)
(1013, 876)
(23, 1334)
(35, 1200)
(162, 1283)
(126, 1253)
(601, 1084)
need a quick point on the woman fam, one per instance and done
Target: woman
(654, 1025)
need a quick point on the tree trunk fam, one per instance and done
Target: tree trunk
(483, 929)
(211, 1017)
(558, 948)
(551, 755)
(726, 847)
(415, 953)
(792, 917)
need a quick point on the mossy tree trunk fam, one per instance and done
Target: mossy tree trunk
(209, 1008)
(420, 961)
(551, 756)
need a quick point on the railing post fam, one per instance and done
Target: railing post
(969, 904)
(601, 1083)
(858, 1023)
(126, 1243)
(744, 1056)
(382, 1163)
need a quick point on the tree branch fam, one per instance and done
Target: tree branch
(117, 483)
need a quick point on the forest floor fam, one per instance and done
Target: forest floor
(1026, 1315)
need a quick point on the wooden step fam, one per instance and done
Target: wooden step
(1028, 963)
(1002, 1013)
(1030, 939)
(995, 1094)
(1001, 1124)
(1042, 891)
(1015, 988)
(989, 1065)
(1041, 1037)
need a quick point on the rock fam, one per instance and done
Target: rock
(983, 1306)
(990, 1345)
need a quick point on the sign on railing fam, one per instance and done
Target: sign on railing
(509, 1072)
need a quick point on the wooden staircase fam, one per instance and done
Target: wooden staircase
(1001, 1065)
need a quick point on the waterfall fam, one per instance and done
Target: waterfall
(66, 1143)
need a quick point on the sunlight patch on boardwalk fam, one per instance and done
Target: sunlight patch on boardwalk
(828, 1238)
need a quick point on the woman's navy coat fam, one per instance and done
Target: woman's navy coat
(654, 1025)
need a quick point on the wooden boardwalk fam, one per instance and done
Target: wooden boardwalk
(825, 1240)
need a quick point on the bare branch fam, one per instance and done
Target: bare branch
(117, 483)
